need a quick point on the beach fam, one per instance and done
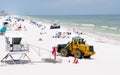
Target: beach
(41, 39)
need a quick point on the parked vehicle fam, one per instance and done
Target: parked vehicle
(55, 26)
(76, 47)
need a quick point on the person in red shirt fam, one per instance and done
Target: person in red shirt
(19, 27)
(54, 52)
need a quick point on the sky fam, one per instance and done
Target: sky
(60, 7)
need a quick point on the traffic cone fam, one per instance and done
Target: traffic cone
(75, 61)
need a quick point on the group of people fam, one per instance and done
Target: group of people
(62, 35)
(9, 22)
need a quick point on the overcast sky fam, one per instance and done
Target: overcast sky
(60, 7)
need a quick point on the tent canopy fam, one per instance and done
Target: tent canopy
(76, 36)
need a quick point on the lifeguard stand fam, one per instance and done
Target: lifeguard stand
(14, 46)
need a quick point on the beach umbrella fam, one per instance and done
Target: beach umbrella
(76, 36)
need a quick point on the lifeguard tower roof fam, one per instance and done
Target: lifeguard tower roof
(15, 34)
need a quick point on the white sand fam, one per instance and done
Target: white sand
(106, 61)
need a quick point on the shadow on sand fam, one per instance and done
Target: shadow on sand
(49, 60)
(89, 58)
(10, 62)
(19, 62)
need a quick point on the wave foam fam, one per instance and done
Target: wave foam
(119, 30)
(113, 28)
(104, 26)
(88, 25)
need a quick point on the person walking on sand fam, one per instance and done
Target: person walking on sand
(19, 27)
(54, 52)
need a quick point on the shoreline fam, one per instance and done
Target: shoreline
(98, 35)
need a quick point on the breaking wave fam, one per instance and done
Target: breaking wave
(113, 28)
(88, 25)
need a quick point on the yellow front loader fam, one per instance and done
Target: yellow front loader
(76, 47)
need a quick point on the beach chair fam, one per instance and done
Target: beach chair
(16, 44)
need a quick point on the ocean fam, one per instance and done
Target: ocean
(108, 25)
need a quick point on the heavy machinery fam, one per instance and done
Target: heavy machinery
(76, 47)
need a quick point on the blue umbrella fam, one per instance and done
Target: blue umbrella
(3, 29)
(77, 36)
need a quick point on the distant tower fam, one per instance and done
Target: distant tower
(2, 13)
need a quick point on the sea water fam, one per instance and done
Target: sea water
(108, 25)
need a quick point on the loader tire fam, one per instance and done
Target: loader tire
(78, 54)
(64, 52)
